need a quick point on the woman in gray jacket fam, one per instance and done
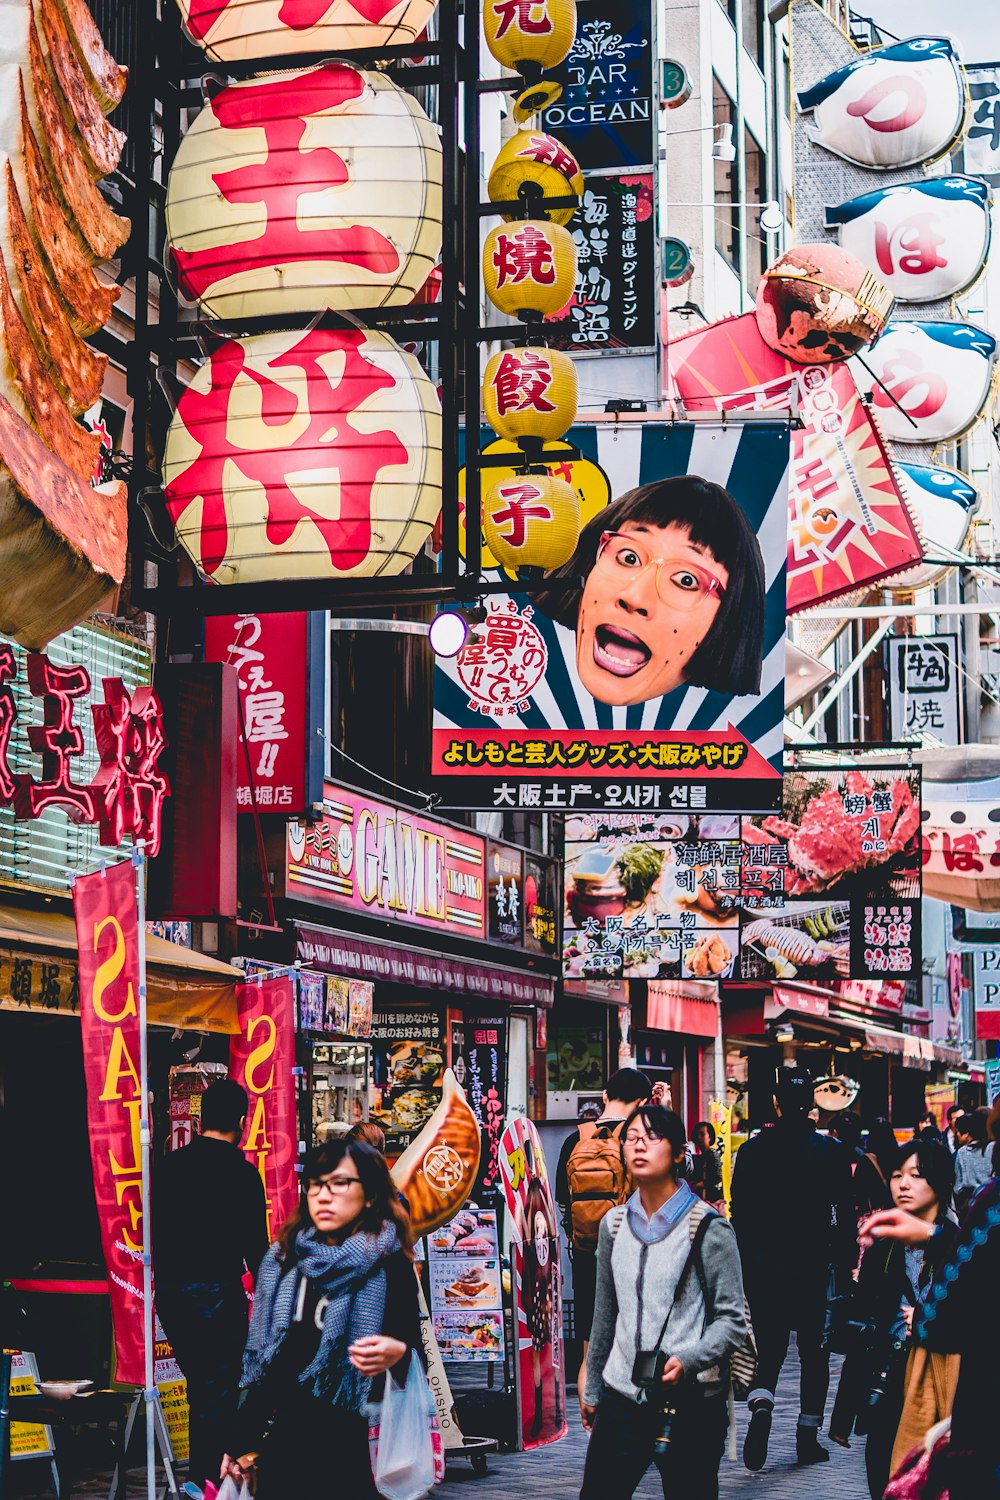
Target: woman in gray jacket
(669, 1312)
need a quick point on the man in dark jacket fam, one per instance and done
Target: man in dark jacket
(209, 1221)
(793, 1212)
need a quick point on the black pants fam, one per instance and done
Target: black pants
(315, 1448)
(621, 1448)
(773, 1325)
(584, 1290)
(882, 1421)
(207, 1326)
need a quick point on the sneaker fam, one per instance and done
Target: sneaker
(758, 1433)
(808, 1449)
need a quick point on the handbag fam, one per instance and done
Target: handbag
(929, 1471)
(401, 1439)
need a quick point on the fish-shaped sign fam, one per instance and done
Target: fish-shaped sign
(934, 379)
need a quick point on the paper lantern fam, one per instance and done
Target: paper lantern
(305, 455)
(533, 156)
(298, 192)
(236, 30)
(530, 393)
(531, 521)
(816, 303)
(529, 267)
(538, 33)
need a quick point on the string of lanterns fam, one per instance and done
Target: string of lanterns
(531, 519)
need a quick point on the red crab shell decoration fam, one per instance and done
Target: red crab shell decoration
(817, 304)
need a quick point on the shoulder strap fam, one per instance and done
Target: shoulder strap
(700, 1230)
(586, 1131)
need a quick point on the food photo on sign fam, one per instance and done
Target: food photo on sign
(408, 1064)
(466, 1293)
(647, 670)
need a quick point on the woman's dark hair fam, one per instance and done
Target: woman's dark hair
(935, 1164)
(883, 1146)
(382, 1205)
(663, 1125)
(705, 1125)
(729, 658)
(975, 1126)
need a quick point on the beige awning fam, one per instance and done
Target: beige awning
(38, 972)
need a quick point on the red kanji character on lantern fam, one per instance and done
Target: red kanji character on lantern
(547, 149)
(8, 713)
(525, 253)
(56, 739)
(521, 381)
(523, 502)
(520, 11)
(129, 787)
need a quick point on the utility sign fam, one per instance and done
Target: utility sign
(925, 697)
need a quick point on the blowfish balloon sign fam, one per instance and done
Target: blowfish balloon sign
(934, 379)
(896, 107)
(928, 239)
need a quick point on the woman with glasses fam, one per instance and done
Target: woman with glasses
(335, 1309)
(672, 594)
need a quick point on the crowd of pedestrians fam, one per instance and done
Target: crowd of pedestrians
(887, 1254)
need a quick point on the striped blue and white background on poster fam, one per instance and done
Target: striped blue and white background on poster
(750, 460)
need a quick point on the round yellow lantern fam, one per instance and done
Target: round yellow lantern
(303, 191)
(533, 156)
(538, 33)
(238, 30)
(531, 521)
(311, 454)
(529, 267)
(530, 393)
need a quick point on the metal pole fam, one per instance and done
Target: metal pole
(903, 611)
(849, 673)
(145, 1140)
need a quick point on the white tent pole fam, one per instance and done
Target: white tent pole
(845, 677)
(145, 1141)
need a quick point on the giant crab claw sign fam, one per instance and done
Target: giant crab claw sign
(896, 107)
(934, 379)
(927, 239)
(237, 30)
(304, 191)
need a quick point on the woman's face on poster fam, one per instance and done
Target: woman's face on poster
(648, 603)
(541, 1238)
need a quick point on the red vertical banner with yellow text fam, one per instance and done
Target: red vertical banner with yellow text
(107, 934)
(262, 1058)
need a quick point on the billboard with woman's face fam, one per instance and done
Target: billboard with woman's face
(647, 671)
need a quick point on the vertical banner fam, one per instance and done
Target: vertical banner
(107, 934)
(479, 1058)
(533, 1228)
(262, 1059)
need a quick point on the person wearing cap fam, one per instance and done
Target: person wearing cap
(793, 1212)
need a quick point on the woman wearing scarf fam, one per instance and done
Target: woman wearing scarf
(335, 1308)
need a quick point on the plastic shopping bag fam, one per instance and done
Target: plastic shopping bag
(230, 1490)
(404, 1460)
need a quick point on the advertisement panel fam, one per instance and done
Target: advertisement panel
(466, 1297)
(541, 905)
(981, 147)
(533, 1225)
(262, 1059)
(648, 672)
(612, 306)
(606, 113)
(408, 1063)
(479, 1054)
(925, 689)
(986, 983)
(379, 860)
(505, 888)
(107, 932)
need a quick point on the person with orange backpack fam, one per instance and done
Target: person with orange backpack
(591, 1179)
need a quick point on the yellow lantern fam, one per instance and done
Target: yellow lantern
(539, 33)
(531, 521)
(529, 267)
(303, 191)
(312, 454)
(530, 393)
(237, 30)
(533, 156)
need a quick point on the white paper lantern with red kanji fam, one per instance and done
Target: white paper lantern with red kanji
(303, 191)
(529, 267)
(238, 30)
(531, 521)
(533, 156)
(311, 454)
(530, 393)
(533, 32)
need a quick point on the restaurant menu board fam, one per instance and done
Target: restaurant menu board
(408, 1062)
(479, 1058)
(27, 1439)
(463, 1261)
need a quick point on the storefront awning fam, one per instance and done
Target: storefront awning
(367, 958)
(38, 972)
(688, 1007)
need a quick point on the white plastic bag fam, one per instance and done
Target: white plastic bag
(228, 1490)
(404, 1466)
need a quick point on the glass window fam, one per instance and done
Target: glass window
(785, 77)
(758, 253)
(727, 215)
(729, 6)
(753, 30)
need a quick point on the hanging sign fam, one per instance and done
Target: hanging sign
(927, 239)
(940, 374)
(107, 932)
(605, 114)
(981, 147)
(262, 1059)
(895, 107)
(943, 503)
(505, 885)
(986, 970)
(924, 689)
(479, 1051)
(614, 231)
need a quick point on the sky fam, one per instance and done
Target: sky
(975, 24)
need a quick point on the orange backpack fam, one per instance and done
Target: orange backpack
(597, 1180)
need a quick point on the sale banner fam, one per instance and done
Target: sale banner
(107, 933)
(262, 1059)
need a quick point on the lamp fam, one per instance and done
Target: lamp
(448, 632)
(771, 220)
(723, 147)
